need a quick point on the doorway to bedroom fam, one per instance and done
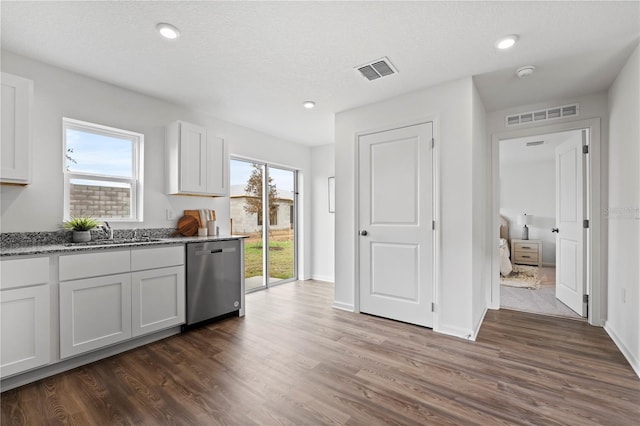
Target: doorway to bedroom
(542, 206)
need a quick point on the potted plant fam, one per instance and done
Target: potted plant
(81, 227)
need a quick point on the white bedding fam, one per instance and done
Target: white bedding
(505, 263)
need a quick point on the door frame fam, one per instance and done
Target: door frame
(435, 122)
(595, 266)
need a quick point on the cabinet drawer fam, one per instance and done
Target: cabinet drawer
(157, 257)
(526, 257)
(85, 265)
(24, 272)
(527, 247)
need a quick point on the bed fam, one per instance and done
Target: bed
(505, 261)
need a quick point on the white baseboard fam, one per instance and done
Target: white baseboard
(478, 325)
(633, 361)
(462, 333)
(326, 278)
(343, 306)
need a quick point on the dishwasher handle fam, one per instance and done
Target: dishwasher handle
(215, 251)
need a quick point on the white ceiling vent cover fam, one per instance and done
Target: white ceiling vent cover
(379, 68)
(542, 115)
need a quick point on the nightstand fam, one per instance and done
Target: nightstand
(526, 252)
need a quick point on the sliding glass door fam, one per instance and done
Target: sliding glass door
(260, 191)
(281, 257)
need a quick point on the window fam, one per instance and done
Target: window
(102, 171)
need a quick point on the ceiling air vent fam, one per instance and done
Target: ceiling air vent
(379, 68)
(542, 115)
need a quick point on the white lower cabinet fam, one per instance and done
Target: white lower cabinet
(24, 313)
(144, 293)
(158, 299)
(25, 332)
(94, 312)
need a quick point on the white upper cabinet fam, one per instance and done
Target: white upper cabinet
(197, 163)
(17, 96)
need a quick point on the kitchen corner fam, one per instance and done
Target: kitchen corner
(81, 302)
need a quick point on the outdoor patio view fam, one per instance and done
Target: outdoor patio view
(253, 185)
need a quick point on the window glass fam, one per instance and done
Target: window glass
(102, 170)
(95, 153)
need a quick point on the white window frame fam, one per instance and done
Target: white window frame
(136, 181)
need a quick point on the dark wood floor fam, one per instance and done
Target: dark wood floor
(294, 360)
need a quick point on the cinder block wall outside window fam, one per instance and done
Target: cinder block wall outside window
(99, 201)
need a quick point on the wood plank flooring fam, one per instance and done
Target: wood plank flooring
(295, 361)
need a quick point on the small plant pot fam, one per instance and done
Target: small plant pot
(81, 236)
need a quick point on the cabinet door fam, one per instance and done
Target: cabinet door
(24, 341)
(217, 167)
(94, 313)
(158, 299)
(193, 158)
(17, 93)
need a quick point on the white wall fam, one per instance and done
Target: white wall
(481, 155)
(59, 93)
(451, 104)
(531, 188)
(322, 222)
(623, 213)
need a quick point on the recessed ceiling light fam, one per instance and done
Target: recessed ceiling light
(168, 31)
(507, 42)
(308, 104)
(525, 71)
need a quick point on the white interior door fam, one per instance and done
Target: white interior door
(396, 212)
(570, 287)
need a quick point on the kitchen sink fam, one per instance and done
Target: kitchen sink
(115, 241)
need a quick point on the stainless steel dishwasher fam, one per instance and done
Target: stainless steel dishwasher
(213, 279)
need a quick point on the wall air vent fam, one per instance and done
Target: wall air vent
(534, 143)
(379, 68)
(542, 115)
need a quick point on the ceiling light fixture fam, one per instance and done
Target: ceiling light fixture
(168, 31)
(308, 104)
(507, 42)
(525, 71)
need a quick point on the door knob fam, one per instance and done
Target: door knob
(555, 230)
(364, 233)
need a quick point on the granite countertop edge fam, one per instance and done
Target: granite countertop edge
(61, 248)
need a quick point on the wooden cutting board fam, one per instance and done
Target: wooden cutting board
(196, 215)
(187, 226)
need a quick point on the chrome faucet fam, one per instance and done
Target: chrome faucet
(107, 230)
(135, 233)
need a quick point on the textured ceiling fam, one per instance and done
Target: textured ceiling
(254, 63)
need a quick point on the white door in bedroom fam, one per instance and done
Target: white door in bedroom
(395, 224)
(570, 253)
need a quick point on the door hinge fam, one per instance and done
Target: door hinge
(433, 306)
(585, 149)
(585, 298)
(433, 143)
(585, 223)
(433, 225)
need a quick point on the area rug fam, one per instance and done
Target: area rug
(522, 276)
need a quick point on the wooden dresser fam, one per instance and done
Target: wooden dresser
(526, 252)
